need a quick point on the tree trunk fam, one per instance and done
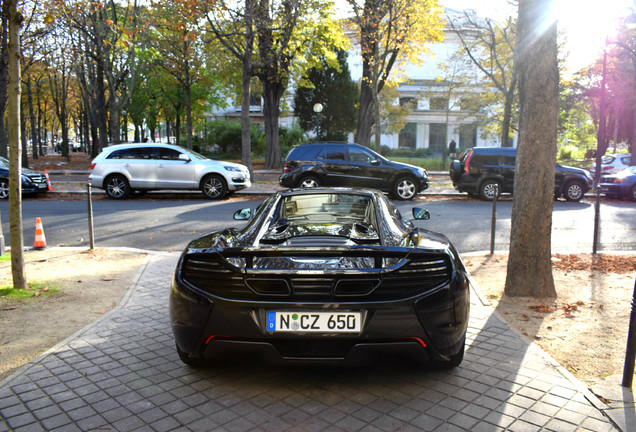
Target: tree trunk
(246, 62)
(507, 115)
(4, 73)
(100, 111)
(365, 116)
(177, 128)
(633, 162)
(378, 123)
(34, 134)
(23, 140)
(271, 106)
(113, 120)
(246, 145)
(15, 171)
(188, 102)
(529, 263)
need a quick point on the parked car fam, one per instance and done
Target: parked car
(124, 168)
(613, 163)
(321, 275)
(482, 170)
(32, 181)
(622, 184)
(349, 165)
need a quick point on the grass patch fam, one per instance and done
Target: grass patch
(5, 257)
(34, 289)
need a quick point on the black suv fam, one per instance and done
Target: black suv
(478, 170)
(342, 164)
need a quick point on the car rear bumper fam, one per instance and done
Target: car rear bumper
(431, 325)
(615, 189)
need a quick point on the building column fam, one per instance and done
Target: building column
(421, 136)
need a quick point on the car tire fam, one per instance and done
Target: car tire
(453, 361)
(117, 187)
(573, 191)
(632, 193)
(309, 182)
(404, 189)
(195, 362)
(487, 190)
(4, 188)
(455, 171)
(214, 187)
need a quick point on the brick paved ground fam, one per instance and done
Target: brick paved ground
(123, 374)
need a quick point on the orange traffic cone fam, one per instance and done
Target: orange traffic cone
(48, 181)
(40, 240)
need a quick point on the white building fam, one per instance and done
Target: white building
(440, 112)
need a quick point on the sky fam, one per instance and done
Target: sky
(586, 23)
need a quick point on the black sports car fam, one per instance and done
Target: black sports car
(321, 275)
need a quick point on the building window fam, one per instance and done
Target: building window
(407, 138)
(440, 104)
(468, 135)
(437, 136)
(411, 102)
(469, 103)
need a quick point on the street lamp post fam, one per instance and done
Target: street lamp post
(318, 109)
(600, 150)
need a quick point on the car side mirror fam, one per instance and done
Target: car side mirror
(375, 162)
(421, 214)
(184, 157)
(243, 214)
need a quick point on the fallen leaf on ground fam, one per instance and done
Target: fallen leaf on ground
(542, 308)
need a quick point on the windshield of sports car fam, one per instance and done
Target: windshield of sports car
(327, 208)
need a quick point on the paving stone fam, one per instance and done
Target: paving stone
(122, 373)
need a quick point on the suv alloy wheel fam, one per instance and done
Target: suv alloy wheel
(117, 187)
(488, 190)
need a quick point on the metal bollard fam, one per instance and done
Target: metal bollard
(493, 220)
(91, 236)
(630, 352)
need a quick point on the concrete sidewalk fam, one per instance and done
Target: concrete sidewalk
(122, 373)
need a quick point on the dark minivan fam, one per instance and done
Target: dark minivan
(350, 165)
(481, 170)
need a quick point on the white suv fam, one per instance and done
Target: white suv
(124, 168)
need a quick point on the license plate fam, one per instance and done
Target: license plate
(317, 322)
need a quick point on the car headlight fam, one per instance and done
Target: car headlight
(26, 180)
(232, 168)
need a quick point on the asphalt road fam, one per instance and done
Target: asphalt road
(166, 223)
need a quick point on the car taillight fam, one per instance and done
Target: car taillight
(618, 180)
(93, 165)
(287, 168)
(470, 155)
(608, 168)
